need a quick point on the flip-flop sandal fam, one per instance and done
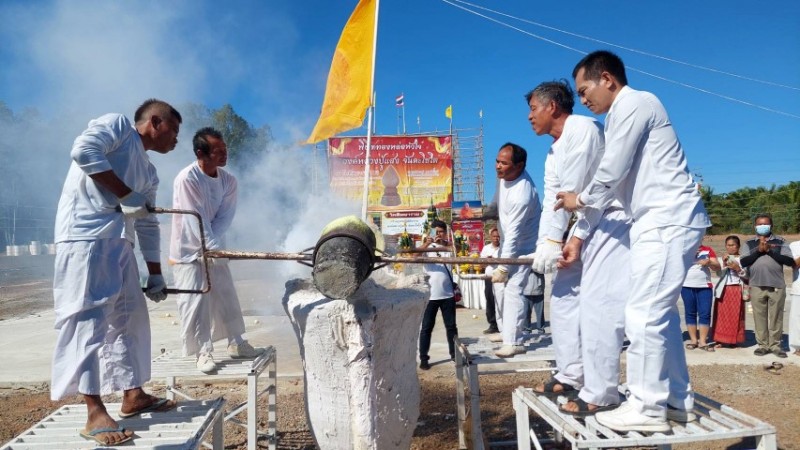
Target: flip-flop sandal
(157, 406)
(774, 368)
(583, 408)
(549, 391)
(92, 435)
(690, 346)
(707, 347)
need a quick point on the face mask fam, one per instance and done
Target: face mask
(763, 230)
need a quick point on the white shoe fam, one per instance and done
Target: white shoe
(626, 418)
(244, 351)
(205, 363)
(508, 351)
(495, 337)
(680, 415)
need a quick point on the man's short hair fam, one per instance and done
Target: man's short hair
(439, 224)
(518, 154)
(154, 106)
(763, 216)
(200, 140)
(595, 63)
(559, 92)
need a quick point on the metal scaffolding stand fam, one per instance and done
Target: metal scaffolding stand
(471, 354)
(468, 164)
(715, 421)
(172, 366)
(183, 428)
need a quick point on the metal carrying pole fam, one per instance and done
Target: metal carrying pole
(378, 259)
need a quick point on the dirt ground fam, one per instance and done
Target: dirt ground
(771, 397)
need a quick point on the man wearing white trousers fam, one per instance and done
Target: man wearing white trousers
(587, 304)
(103, 343)
(204, 186)
(518, 211)
(644, 158)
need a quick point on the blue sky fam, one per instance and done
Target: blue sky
(269, 59)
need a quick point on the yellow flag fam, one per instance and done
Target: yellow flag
(347, 93)
(449, 112)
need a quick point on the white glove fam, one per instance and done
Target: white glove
(156, 288)
(547, 254)
(500, 274)
(134, 205)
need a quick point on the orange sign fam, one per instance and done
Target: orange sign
(406, 172)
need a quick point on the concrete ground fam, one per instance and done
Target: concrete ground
(26, 343)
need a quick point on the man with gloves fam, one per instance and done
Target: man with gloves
(204, 186)
(518, 209)
(103, 343)
(587, 303)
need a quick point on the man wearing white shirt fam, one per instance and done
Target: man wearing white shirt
(103, 343)
(440, 279)
(491, 250)
(588, 300)
(644, 158)
(204, 186)
(518, 210)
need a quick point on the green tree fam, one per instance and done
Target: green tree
(245, 142)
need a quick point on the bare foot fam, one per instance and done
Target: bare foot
(98, 418)
(137, 399)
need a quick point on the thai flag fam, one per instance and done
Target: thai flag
(399, 101)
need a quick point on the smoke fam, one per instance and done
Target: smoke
(75, 61)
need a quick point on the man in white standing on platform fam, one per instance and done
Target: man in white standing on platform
(103, 343)
(587, 304)
(644, 158)
(204, 186)
(518, 210)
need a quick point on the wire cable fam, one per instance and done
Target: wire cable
(632, 50)
(632, 68)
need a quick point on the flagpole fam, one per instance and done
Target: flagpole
(365, 198)
(374, 104)
(404, 117)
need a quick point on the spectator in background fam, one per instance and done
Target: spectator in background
(534, 303)
(442, 297)
(794, 315)
(764, 256)
(697, 294)
(491, 250)
(728, 315)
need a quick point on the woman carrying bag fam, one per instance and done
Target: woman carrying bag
(731, 292)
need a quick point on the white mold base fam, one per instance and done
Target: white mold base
(359, 359)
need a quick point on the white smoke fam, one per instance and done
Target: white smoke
(74, 61)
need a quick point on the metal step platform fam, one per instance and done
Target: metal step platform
(471, 355)
(715, 421)
(171, 366)
(183, 428)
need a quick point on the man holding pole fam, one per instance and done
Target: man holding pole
(518, 209)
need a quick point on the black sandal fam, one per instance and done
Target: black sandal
(583, 408)
(550, 392)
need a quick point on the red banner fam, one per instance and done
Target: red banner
(406, 172)
(472, 232)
